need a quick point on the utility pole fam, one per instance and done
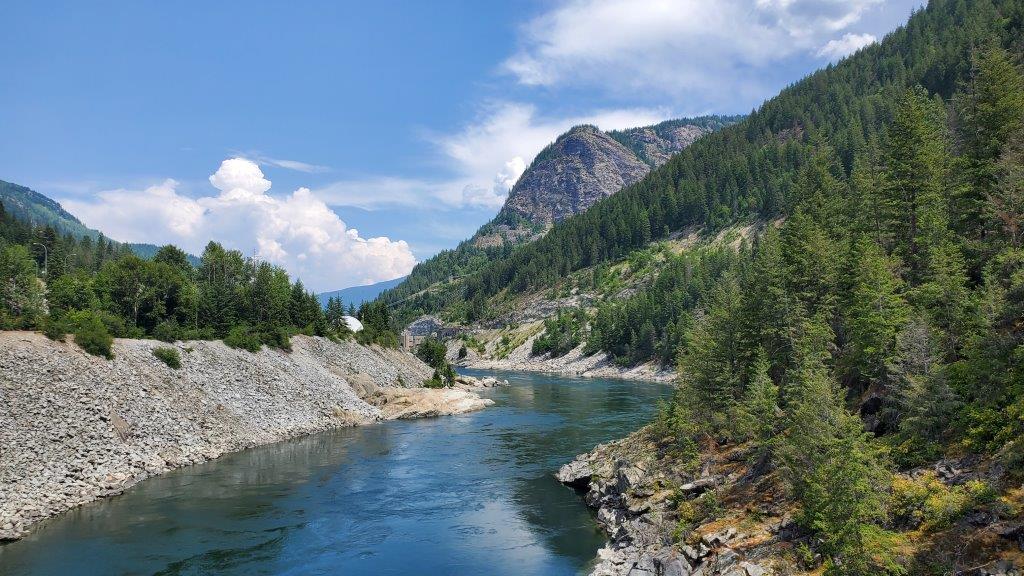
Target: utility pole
(46, 257)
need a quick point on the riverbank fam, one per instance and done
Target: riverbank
(75, 427)
(573, 363)
(729, 514)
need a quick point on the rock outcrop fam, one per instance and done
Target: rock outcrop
(726, 512)
(583, 166)
(637, 505)
(75, 427)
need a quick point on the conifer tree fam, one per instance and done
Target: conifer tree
(922, 403)
(874, 312)
(710, 364)
(758, 414)
(916, 163)
(990, 110)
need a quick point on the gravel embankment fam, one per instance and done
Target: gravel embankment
(75, 427)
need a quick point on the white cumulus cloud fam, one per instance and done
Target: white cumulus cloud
(848, 44)
(298, 232)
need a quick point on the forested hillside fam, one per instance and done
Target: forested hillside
(34, 208)
(97, 289)
(890, 294)
(567, 177)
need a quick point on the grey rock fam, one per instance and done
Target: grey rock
(576, 473)
(89, 427)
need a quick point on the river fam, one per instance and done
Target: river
(460, 495)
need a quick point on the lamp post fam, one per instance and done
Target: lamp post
(66, 256)
(46, 257)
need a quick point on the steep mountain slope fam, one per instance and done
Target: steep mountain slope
(581, 167)
(585, 165)
(30, 206)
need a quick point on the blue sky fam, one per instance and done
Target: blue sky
(406, 121)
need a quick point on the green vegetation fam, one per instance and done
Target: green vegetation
(378, 327)
(434, 353)
(169, 356)
(91, 334)
(98, 290)
(896, 276)
(561, 333)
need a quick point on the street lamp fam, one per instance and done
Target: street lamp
(46, 257)
(66, 256)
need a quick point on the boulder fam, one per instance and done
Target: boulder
(576, 473)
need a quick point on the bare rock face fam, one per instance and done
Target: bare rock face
(656, 144)
(583, 166)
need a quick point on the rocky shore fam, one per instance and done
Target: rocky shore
(75, 427)
(729, 515)
(637, 504)
(573, 363)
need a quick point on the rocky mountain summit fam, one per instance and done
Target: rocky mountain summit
(578, 169)
(585, 165)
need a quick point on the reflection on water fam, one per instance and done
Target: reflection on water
(468, 494)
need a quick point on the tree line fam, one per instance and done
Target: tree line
(99, 290)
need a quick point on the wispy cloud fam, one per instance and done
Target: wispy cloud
(848, 44)
(485, 158)
(699, 52)
(296, 165)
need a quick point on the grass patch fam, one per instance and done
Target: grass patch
(168, 356)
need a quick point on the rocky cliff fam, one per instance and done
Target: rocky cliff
(75, 427)
(581, 167)
(585, 165)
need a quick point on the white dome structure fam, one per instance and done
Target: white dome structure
(353, 323)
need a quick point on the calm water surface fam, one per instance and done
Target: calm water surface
(457, 495)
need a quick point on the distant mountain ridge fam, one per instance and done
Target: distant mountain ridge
(356, 295)
(30, 206)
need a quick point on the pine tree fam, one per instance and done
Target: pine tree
(1004, 203)
(874, 311)
(710, 363)
(990, 111)
(916, 163)
(758, 414)
(829, 463)
(922, 403)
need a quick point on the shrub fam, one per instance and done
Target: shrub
(242, 337)
(168, 356)
(116, 326)
(55, 329)
(434, 382)
(442, 378)
(463, 352)
(433, 352)
(278, 338)
(927, 502)
(91, 334)
(167, 331)
(561, 334)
